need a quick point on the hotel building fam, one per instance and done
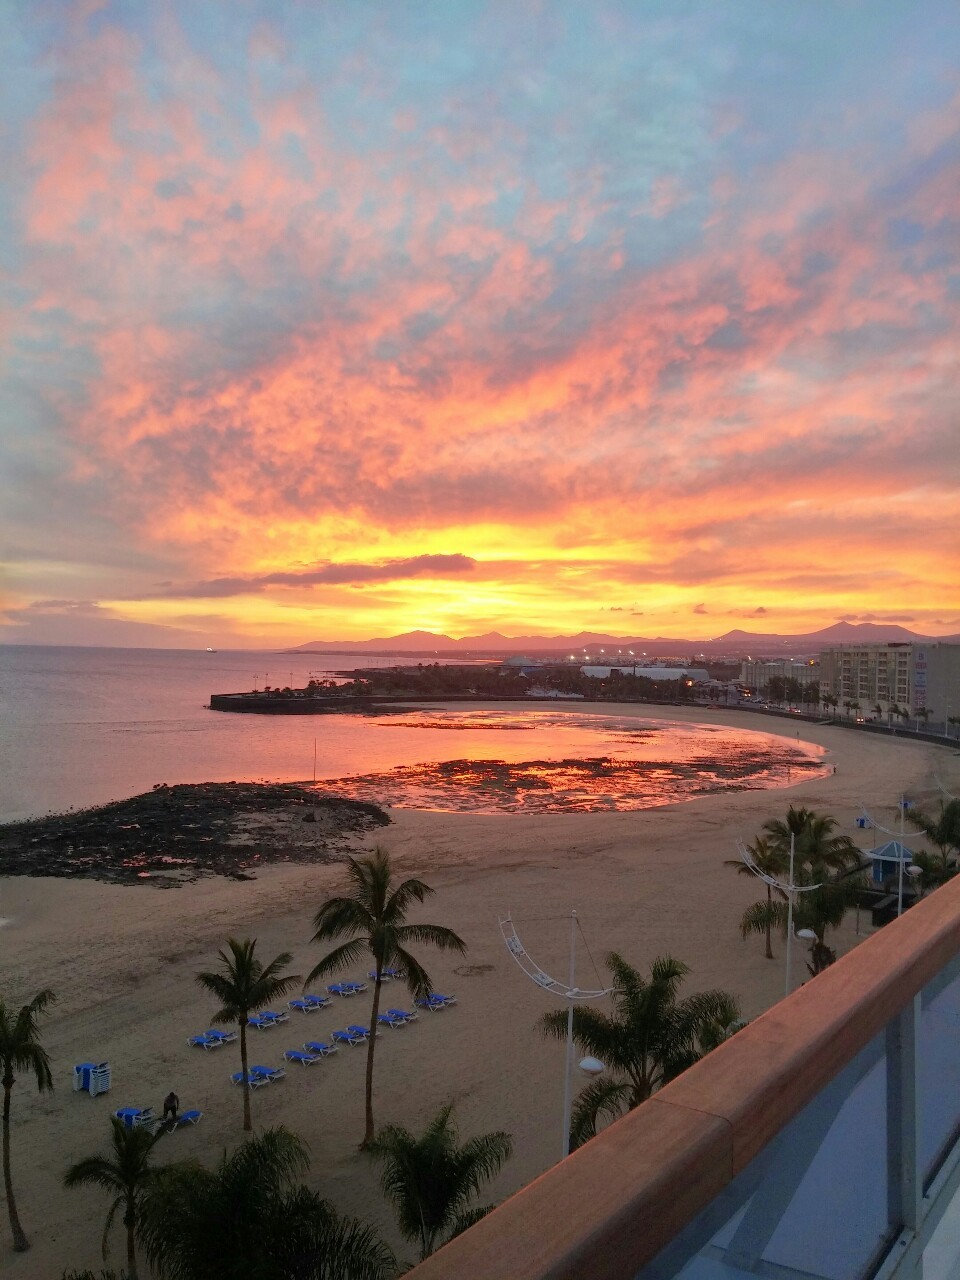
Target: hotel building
(914, 676)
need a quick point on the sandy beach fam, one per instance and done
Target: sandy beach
(122, 961)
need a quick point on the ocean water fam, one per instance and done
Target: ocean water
(80, 727)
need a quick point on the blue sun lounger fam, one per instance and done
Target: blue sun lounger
(225, 1037)
(391, 1020)
(261, 1023)
(319, 1002)
(254, 1080)
(348, 1037)
(386, 975)
(318, 1047)
(301, 1056)
(204, 1042)
(435, 1001)
(188, 1117)
(342, 989)
(402, 1015)
(360, 1031)
(269, 1015)
(304, 1006)
(272, 1073)
(135, 1117)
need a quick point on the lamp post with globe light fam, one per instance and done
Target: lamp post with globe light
(592, 1066)
(790, 891)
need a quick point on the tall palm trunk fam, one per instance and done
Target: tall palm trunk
(371, 1046)
(20, 1241)
(244, 1082)
(129, 1221)
(769, 951)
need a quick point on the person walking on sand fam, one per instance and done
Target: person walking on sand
(171, 1105)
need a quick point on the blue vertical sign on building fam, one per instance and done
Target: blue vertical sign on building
(920, 679)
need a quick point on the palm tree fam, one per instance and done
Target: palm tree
(814, 840)
(793, 824)
(953, 720)
(818, 846)
(21, 1050)
(823, 858)
(243, 985)
(770, 859)
(376, 910)
(944, 832)
(650, 1037)
(818, 910)
(252, 1219)
(922, 713)
(430, 1179)
(127, 1176)
(877, 710)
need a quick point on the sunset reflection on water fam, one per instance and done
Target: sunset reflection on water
(564, 762)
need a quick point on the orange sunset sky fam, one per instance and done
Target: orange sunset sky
(339, 320)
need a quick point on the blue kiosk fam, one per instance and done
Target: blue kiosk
(887, 860)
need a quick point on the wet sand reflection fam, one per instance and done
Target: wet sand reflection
(581, 764)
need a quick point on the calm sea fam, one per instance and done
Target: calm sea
(83, 726)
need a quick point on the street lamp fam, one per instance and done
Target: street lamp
(806, 935)
(593, 1066)
(790, 892)
(913, 872)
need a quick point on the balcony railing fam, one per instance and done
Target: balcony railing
(822, 1141)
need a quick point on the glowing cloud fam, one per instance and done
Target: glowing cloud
(662, 310)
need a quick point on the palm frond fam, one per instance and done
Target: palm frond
(600, 1100)
(20, 1047)
(469, 1218)
(105, 1238)
(403, 897)
(481, 1159)
(94, 1170)
(419, 982)
(763, 915)
(594, 1032)
(340, 916)
(433, 935)
(342, 957)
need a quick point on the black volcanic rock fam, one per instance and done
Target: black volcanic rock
(175, 834)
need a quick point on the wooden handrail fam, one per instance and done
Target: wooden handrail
(611, 1207)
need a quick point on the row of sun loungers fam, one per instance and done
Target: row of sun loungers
(213, 1039)
(315, 1051)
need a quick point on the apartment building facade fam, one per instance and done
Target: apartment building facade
(921, 677)
(757, 675)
